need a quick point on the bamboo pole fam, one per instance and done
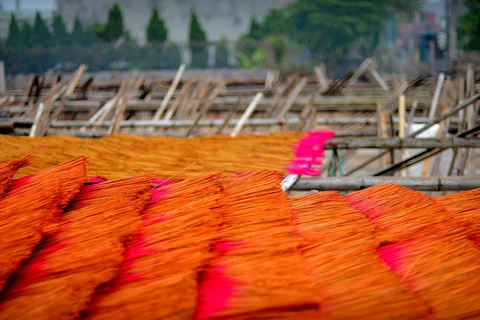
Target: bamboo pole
(279, 94)
(362, 69)
(226, 121)
(68, 94)
(422, 155)
(38, 116)
(180, 97)
(170, 92)
(436, 95)
(216, 91)
(321, 77)
(240, 124)
(401, 127)
(462, 105)
(291, 98)
(378, 79)
(359, 183)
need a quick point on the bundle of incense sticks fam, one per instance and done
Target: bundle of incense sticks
(8, 170)
(158, 278)
(431, 252)
(309, 153)
(29, 205)
(401, 213)
(86, 251)
(258, 272)
(235, 247)
(118, 157)
(465, 209)
(339, 247)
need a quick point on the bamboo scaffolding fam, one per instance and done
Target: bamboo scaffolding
(422, 155)
(462, 105)
(359, 183)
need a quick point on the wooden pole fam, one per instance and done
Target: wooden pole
(248, 112)
(3, 82)
(436, 95)
(462, 105)
(68, 94)
(359, 183)
(38, 116)
(401, 127)
(321, 74)
(291, 98)
(181, 96)
(219, 87)
(230, 115)
(170, 92)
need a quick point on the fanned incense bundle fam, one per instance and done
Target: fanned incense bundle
(7, 171)
(158, 278)
(445, 271)
(465, 208)
(85, 251)
(30, 204)
(430, 253)
(401, 213)
(340, 250)
(117, 157)
(259, 273)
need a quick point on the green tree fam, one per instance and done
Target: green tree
(114, 28)
(255, 31)
(198, 42)
(27, 32)
(275, 23)
(469, 28)
(41, 35)
(329, 27)
(77, 34)
(222, 54)
(156, 30)
(60, 34)
(14, 38)
(171, 56)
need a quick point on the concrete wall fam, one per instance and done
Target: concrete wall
(230, 18)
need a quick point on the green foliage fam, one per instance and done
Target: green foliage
(197, 34)
(198, 42)
(41, 35)
(78, 34)
(27, 33)
(275, 23)
(280, 45)
(469, 28)
(222, 54)
(255, 32)
(60, 33)
(114, 28)
(14, 38)
(171, 56)
(156, 30)
(327, 27)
